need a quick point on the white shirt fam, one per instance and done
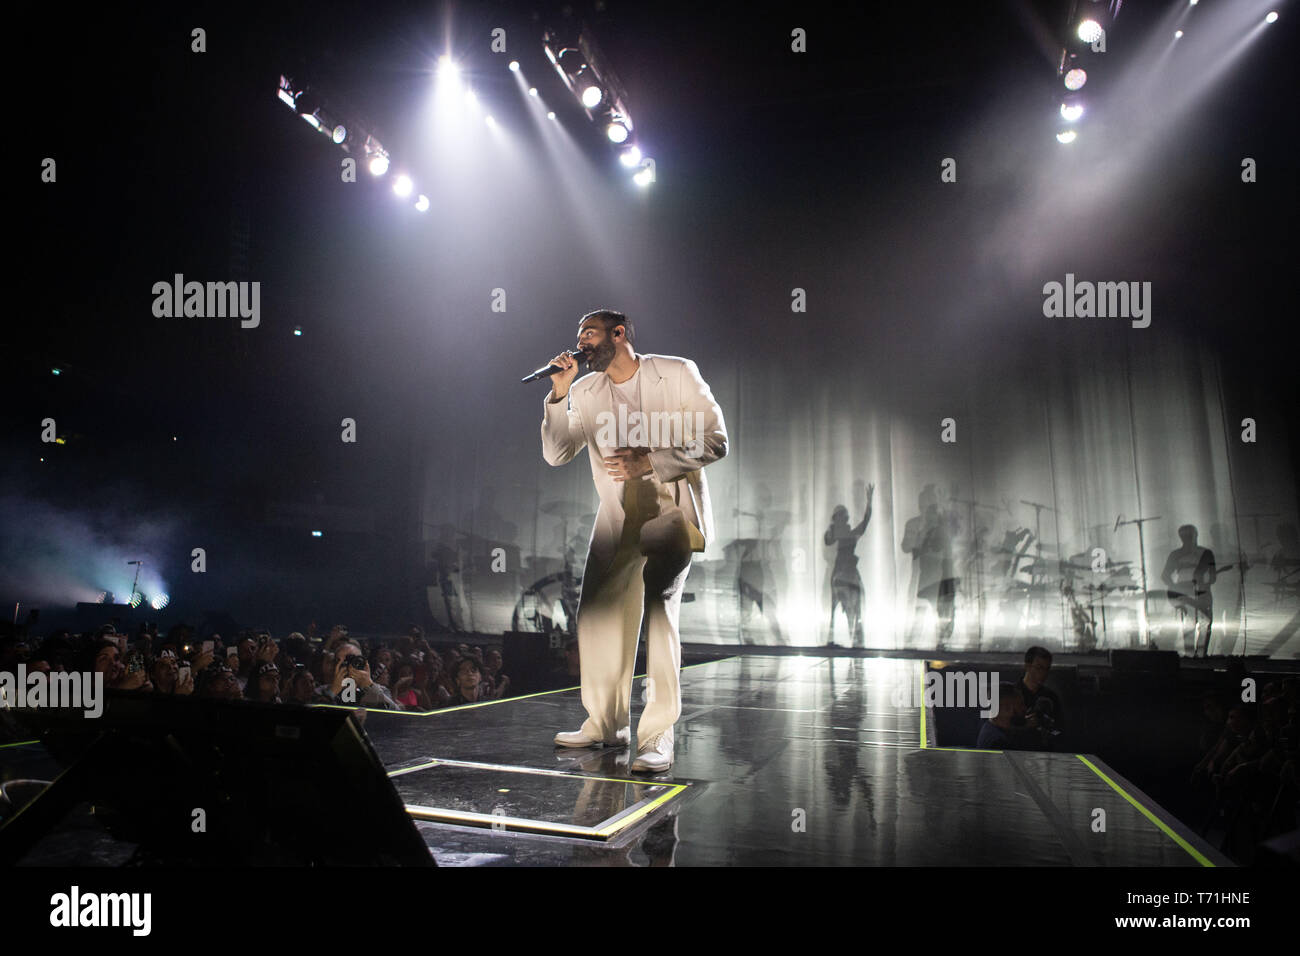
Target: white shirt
(646, 496)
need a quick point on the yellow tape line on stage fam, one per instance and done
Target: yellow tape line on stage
(1197, 856)
(671, 790)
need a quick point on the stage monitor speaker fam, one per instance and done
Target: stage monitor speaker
(215, 782)
(528, 658)
(1153, 670)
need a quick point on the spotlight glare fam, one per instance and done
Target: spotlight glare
(340, 134)
(471, 98)
(551, 114)
(514, 66)
(1071, 111)
(447, 67)
(1074, 79)
(1090, 31)
(532, 91)
(591, 97)
(630, 156)
(378, 165)
(1066, 136)
(403, 186)
(643, 177)
(1272, 17)
(159, 601)
(491, 122)
(616, 132)
(1178, 34)
(422, 204)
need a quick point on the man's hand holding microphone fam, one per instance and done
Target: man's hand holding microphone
(561, 380)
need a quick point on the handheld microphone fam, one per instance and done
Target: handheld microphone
(548, 370)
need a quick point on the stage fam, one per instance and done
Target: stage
(780, 761)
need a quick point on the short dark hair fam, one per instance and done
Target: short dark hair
(1036, 652)
(471, 662)
(611, 319)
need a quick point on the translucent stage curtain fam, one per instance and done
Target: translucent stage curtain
(1014, 519)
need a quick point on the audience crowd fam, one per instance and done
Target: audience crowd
(335, 668)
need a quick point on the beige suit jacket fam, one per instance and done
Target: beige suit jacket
(668, 385)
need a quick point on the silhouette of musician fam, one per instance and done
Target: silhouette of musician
(846, 583)
(927, 537)
(1188, 573)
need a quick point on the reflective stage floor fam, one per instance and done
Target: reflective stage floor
(780, 761)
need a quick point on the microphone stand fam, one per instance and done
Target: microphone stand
(1142, 555)
(1241, 568)
(136, 581)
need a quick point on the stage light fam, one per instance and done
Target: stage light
(316, 534)
(1089, 31)
(644, 177)
(447, 67)
(306, 103)
(136, 599)
(402, 186)
(1178, 34)
(1272, 17)
(340, 134)
(56, 371)
(514, 66)
(1066, 136)
(1074, 79)
(1071, 110)
(312, 120)
(422, 204)
(490, 121)
(592, 96)
(551, 114)
(285, 95)
(378, 165)
(297, 330)
(569, 60)
(630, 156)
(616, 132)
(532, 91)
(103, 597)
(159, 601)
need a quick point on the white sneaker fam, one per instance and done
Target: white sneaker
(656, 754)
(578, 739)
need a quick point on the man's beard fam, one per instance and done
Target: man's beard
(598, 358)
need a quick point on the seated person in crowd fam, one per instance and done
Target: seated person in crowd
(998, 732)
(468, 683)
(351, 663)
(1043, 712)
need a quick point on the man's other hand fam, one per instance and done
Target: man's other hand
(628, 463)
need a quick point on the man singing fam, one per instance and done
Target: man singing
(650, 425)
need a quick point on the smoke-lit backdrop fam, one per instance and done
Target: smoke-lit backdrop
(862, 321)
